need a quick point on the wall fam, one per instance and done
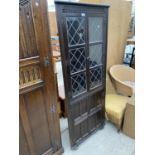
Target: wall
(119, 19)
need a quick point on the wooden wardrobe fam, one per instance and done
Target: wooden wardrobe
(39, 121)
(83, 42)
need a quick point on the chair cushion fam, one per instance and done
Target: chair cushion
(115, 106)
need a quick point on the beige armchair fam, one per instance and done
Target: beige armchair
(114, 104)
(123, 78)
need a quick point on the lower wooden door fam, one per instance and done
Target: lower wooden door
(85, 117)
(39, 131)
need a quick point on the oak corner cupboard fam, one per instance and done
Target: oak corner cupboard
(83, 42)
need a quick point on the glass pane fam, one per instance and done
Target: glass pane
(95, 77)
(95, 54)
(95, 29)
(75, 30)
(77, 59)
(78, 83)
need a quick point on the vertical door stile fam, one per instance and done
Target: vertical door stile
(87, 70)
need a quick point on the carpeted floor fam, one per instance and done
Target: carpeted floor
(104, 142)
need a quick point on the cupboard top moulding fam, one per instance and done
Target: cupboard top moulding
(81, 4)
(84, 7)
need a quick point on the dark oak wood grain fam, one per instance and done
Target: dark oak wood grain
(39, 120)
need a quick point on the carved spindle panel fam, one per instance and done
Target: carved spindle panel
(29, 75)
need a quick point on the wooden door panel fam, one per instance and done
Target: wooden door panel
(79, 116)
(28, 46)
(96, 112)
(39, 125)
(84, 113)
(36, 111)
(86, 116)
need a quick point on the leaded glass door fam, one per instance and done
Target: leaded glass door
(96, 51)
(76, 41)
(82, 30)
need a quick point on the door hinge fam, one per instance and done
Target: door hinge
(53, 109)
(46, 61)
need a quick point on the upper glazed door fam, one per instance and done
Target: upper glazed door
(75, 28)
(85, 51)
(96, 38)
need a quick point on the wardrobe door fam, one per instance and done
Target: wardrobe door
(96, 51)
(96, 43)
(75, 31)
(83, 59)
(39, 122)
